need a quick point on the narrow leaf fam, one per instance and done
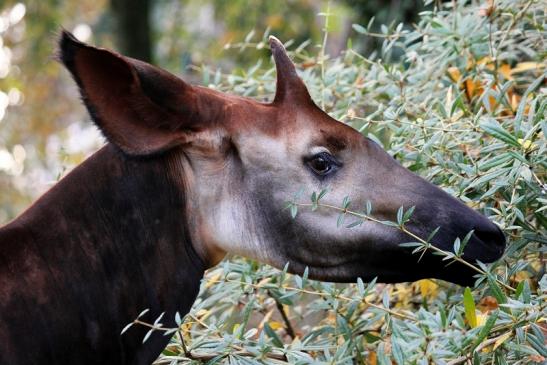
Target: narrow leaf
(469, 306)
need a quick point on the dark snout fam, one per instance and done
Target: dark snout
(456, 220)
(488, 242)
(395, 186)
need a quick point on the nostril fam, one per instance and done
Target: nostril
(490, 234)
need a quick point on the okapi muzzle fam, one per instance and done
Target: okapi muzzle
(188, 175)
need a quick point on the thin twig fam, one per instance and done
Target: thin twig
(288, 325)
(187, 353)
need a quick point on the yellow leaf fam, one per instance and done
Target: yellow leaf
(470, 88)
(492, 101)
(481, 319)
(528, 145)
(484, 61)
(501, 340)
(203, 314)
(236, 326)
(403, 292)
(264, 281)
(275, 325)
(212, 280)
(515, 100)
(506, 71)
(454, 74)
(331, 317)
(527, 66)
(428, 288)
(372, 358)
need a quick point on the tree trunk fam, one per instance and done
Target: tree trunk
(132, 18)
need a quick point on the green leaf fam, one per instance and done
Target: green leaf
(537, 344)
(493, 128)
(360, 286)
(322, 193)
(355, 224)
(126, 328)
(147, 336)
(469, 307)
(249, 36)
(294, 210)
(143, 313)
(432, 234)
(346, 202)
(495, 161)
(520, 288)
(368, 210)
(408, 213)
(496, 290)
(465, 241)
(526, 292)
(411, 244)
(371, 338)
(398, 353)
(314, 201)
(400, 213)
(157, 321)
(340, 220)
(359, 28)
(457, 246)
(485, 330)
(523, 101)
(271, 334)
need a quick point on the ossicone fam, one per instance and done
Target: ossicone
(290, 86)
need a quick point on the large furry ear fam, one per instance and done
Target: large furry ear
(140, 108)
(289, 86)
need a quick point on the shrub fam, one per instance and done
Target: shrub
(458, 99)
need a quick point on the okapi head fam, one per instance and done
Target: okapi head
(238, 161)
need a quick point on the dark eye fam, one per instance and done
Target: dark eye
(323, 163)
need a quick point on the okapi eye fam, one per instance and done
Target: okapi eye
(323, 163)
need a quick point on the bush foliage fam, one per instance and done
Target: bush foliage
(459, 99)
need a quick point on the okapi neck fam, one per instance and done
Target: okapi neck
(108, 241)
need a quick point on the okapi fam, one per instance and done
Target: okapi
(187, 175)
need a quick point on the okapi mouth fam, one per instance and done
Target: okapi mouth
(486, 245)
(389, 262)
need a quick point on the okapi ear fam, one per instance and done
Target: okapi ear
(289, 85)
(140, 108)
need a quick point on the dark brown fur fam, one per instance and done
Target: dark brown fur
(103, 244)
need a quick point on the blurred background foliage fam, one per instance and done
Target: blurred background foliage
(455, 90)
(44, 131)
